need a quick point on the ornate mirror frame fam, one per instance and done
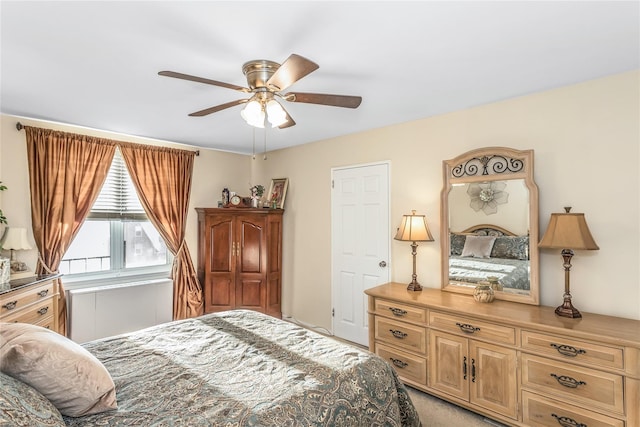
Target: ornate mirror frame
(482, 166)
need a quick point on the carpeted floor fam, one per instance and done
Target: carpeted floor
(435, 412)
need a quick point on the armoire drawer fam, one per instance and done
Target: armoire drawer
(401, 311)
(574, 350)
(408, 366)
(539, 411)
(590, 387)
(399, 334)
(473, 327)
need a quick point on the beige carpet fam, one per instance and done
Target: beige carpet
(435, 412)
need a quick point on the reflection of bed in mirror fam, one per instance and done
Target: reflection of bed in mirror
(486, 250)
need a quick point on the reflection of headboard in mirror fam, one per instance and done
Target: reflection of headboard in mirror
(489, 212)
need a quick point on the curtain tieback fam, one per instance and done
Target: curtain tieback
(44, 264)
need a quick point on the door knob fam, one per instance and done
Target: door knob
(382, 264)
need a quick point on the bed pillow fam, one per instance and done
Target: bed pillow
(457, 243)
(478, 246)
(22, 405)
(64, 372)
(511, 247)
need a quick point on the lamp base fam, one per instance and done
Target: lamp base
(414, 286)
(567, 309)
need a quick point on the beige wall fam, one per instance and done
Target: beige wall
(586, 140)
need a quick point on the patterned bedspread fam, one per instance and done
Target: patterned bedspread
(512, 273)
(243, 368)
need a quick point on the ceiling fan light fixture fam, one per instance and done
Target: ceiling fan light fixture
(275, 113)
(253, 114)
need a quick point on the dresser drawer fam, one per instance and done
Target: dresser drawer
(35, 313)
(590, 387)
(472, 327)
(540, 411)
(574, 350)
(401, 311)
(408, 366)
(14, 301)
(400, 334)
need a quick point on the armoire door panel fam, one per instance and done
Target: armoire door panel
(219, 293)
(251, 247)
(221, 247)
(249, 293)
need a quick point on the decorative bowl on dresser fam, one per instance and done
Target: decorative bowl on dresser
(516, 363)
(31, 300)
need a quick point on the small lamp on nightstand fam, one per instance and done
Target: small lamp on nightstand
(567, 231)
(15, 239)
(414, 229)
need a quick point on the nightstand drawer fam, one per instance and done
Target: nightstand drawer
(400, 334)
(574, 350)
(401, 311)
(408, 366)
(592, 388)
(472, 327)
(35, 314)
(540, 411)
(14, 301)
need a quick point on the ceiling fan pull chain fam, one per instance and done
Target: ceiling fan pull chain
(254, 143)
(265, 143)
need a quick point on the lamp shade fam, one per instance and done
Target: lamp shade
(15, 238)
(414, 228)
(568, 231)
(253, 114)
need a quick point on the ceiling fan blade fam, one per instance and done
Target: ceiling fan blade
(292, 69)
(345, 101)
(202, 80)
(290, 122)
(218, 108)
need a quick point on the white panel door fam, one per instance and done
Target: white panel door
(360, 244)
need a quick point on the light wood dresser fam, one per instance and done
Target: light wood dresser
(515, 363)
(31, 300)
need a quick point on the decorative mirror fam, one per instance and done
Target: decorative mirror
(489, 223)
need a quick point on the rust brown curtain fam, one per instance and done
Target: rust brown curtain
(66, 173)
(162, 177)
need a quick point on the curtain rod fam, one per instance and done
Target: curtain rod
(19, 126)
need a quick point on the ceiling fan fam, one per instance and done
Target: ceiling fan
(266, 81)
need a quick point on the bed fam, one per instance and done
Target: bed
(486, 250)
(235, 368)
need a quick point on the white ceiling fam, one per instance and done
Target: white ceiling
(95, 64)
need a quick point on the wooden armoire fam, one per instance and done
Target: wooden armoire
(240, 259)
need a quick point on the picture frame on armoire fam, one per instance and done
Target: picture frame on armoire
(277, 193)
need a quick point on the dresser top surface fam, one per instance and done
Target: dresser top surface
(612, 329)
(16, 284)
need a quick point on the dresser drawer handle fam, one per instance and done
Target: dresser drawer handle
(43, 293)
(399, 363)
(398, 334)
(568, 381)
(43, 311)
(10, 305)
(467, 328)
(397, 312)
(567, 422)
(567, 350)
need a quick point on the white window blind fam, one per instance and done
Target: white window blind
(118, 198)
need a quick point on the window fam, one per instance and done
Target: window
(116, 237)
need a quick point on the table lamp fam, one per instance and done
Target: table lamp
(567, 231)
(414, 228)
